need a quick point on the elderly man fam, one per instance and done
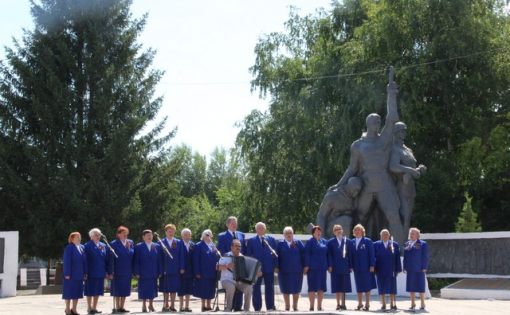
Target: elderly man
(262, 248)
(226, 266)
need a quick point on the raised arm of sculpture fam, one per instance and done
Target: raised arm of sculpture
(391, 109)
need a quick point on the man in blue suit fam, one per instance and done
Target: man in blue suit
(262, 247)
(224, 243)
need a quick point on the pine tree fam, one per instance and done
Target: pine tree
(75, 95)
(468, 219)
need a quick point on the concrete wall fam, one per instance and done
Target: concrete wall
(10, 264)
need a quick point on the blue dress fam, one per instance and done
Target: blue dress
(363, 259)
(205, 260)
(171, 280)
(291, 261)
(416, 259)
(75, 267)
(147, 266)
(387, 266)
(187, 279)
(340, 260)
(316, 259)
(98, 264)
(258, 249)
(122, 268)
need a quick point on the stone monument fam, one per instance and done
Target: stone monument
(386, 169)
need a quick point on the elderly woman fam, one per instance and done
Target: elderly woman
(98, 265)
(290, 267)
(316, 266)
(340, 252)
(187, 281)
(173, 268)
(122, 268)
(147, 269)
(363, 265)
(75, 271)
(416, 260)
(205, 258)
(387, 267)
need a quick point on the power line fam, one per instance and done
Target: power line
(343, 75)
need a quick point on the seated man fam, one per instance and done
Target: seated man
(226, 266)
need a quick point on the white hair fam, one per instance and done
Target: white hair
(95, 231)
(288, 229)
(260, 224)
(206, 233)
(384, 231)
(416, 230)
(185, 230)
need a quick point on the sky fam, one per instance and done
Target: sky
(205, 48)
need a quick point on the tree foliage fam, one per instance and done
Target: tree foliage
(75, 96)
(468, 219)
(327, 72)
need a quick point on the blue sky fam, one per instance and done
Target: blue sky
(205, 48)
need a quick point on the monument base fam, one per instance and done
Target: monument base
(478, 289)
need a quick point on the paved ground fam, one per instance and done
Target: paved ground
(52, 304)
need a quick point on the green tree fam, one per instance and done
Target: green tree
(75, 96)
(468, 219)
(327, 72)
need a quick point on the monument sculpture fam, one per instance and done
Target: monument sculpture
(387, 170)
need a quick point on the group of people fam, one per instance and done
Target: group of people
(179, 267)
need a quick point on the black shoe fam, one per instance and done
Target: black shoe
(383, 308)
(422, 308)
(144, 309)
(338, 307)
(343, 307)
(123, 310)
(394, 307)
(366, 308)
(359, 307)
(311, 309)
(151, 308)
(74, 313)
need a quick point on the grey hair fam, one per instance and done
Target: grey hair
(260, 224)
(206, 233)
(95, 231)
(185, 230)
(288, 229)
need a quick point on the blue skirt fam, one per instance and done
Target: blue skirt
(365, 281)
(316, 280)
(290, 282)
(94, 286)
(121, 286)
(415, 281)
(72, 289)
(205, 288)
(386, 284)
(147, 289)
(340, 282)
(187, 284)
(170, 283)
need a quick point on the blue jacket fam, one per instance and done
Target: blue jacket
(98, 259)
(316, 254)
(147, 264)
(259, 250)
(123, 266)
(188, 259)
(225, 240)
(205, 261)
(363, 256)
(75, 263)
(336, 259)
(290, 259)
(416, 258)
(175, 265)
(387, 262)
